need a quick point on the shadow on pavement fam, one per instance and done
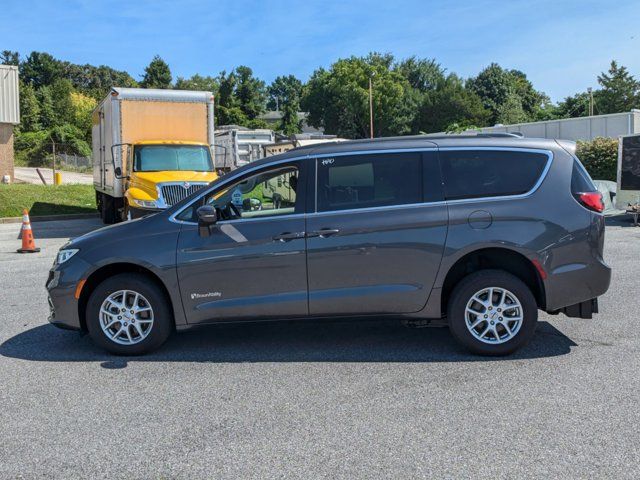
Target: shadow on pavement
(300, 341)
(62, 228)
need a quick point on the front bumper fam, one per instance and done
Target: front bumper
(61, 287)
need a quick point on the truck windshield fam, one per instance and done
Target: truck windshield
(156, 158)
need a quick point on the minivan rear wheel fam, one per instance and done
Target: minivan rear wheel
(492, 312)
(128, 314)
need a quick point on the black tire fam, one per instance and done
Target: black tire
(160, 329)
(467, 288)
(107, 211)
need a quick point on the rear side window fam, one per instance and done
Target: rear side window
(366, 181)
(490, 173)
(580, 179)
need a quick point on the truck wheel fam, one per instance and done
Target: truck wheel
(492, 312)
(128, 314)
(107, 212)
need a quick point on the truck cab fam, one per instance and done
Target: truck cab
(160, 173)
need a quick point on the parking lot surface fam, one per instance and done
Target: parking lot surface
(317, 399)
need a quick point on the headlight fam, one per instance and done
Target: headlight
(144, 203)
(66, 254)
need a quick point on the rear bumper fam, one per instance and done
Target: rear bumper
(574, 289)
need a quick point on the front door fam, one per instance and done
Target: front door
(253, 263)
(376, 239)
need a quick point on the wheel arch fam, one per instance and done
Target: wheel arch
(102, 273)
(498, 258)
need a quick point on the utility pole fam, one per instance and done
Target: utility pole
(590, 91)
(371, 103)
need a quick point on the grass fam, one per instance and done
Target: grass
(46, 199)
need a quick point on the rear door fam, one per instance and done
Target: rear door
(375, 240)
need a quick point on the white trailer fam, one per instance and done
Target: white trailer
(236, 146)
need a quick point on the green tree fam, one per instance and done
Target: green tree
(29, 108)
(620, 90)
(281, 89)
(574, 106)
(284, 94)
(424, 75)
(251, 93)
(197, 82)
(40, 69)
(46, 107)
(96, 81)
(157, 74)
(9, 57)
(448, 105)
(63, 109)
(241, 98)
(508, 94)
(338, 99)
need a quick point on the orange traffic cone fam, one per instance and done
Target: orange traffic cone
(28, 243)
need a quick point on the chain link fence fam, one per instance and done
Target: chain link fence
(73, 162)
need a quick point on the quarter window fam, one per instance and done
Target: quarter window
(366, 181)
(490, 173)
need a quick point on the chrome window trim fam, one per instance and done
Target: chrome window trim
(533, 189)
(371, 152)
(232, 177)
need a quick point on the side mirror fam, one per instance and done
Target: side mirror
(118, 172)
(207, 217)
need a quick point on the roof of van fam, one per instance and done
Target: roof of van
(416, 142)
(423, 141)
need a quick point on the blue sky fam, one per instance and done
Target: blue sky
(560, 45)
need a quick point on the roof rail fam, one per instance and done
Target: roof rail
(501, 134)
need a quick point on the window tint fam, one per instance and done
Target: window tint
(580, 180)
(365, 181)
(490, 173)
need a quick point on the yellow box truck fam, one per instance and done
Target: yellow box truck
(151, 149)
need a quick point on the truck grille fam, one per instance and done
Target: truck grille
(173, 193)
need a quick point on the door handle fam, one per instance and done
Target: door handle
(288, 236)
(324, 232)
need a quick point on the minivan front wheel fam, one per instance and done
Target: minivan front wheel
(127, 314)
(492, 312)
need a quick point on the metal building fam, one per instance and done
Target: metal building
(9, 116)
(581, 128)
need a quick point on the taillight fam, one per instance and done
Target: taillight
(591, 200)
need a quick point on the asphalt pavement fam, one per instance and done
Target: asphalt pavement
(317, 399)
(30, 175)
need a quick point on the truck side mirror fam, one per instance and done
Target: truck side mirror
(118, 172)
(207, 217)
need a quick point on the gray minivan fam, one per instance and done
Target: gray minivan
(478, 231)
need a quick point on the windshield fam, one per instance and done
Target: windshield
(156, 158)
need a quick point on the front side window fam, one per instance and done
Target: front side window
(490, 173)
(158, 158)
(369, 180)
(265, 194)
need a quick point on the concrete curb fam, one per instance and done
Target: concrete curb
(50, 218)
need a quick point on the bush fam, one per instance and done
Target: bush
(600, 157)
